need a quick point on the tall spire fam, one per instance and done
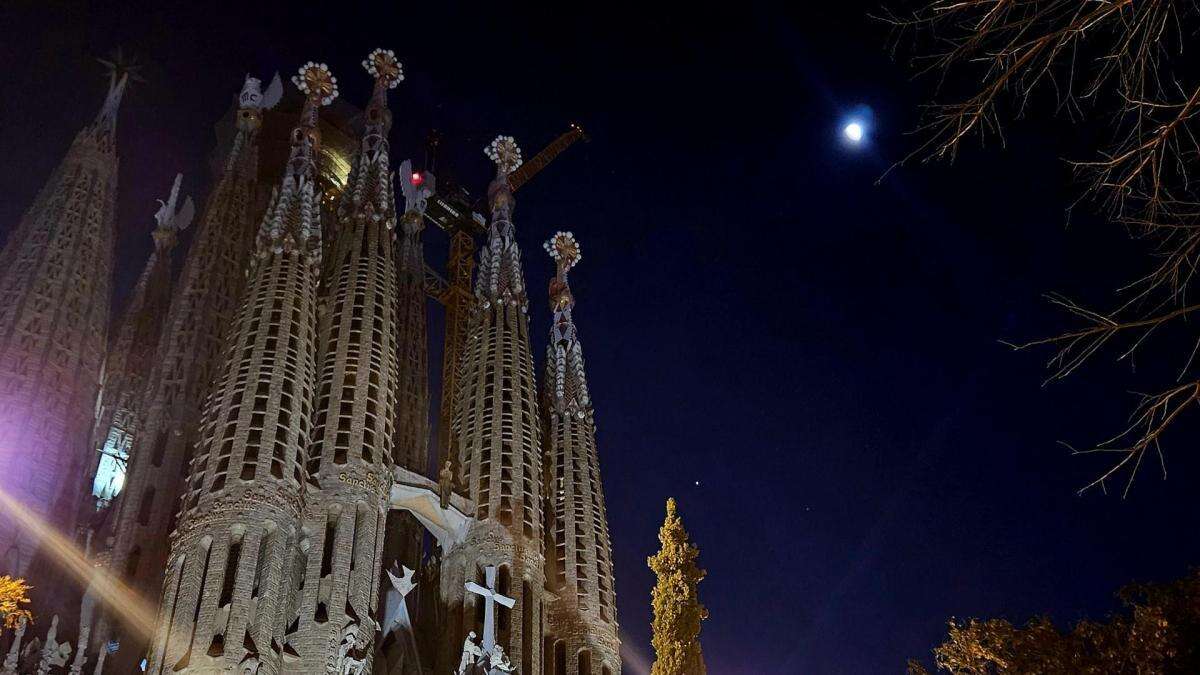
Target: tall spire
(368, 192)
(582, 616)
(291, 224)
(229, 588)
(55, 290)
(121, 69)
(184, 371)
(565, 354)
(497, 432)
(350, 455)
(412, 413)
(132, 352)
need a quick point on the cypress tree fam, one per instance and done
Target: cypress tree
(677, 608)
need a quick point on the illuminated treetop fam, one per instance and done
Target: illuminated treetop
(677, 608)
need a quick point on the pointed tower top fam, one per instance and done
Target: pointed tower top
(171, 221)
(564, 248)
(505, 153)
(564, 359)
(292, 222)
(253, 97)
(383, 66)
(120, 69)
(319, 87)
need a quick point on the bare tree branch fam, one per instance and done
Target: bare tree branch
(1119, 58)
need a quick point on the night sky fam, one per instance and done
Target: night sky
(808, 360)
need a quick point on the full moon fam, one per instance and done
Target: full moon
(853, 131)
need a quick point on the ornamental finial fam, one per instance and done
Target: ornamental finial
(317, 83)
(253, 97)
(505, 153)
(319, 87)
(564, 248)
(383, 66)
(167, 217)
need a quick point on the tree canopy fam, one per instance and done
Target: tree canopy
(1157, 633)
(14, 595)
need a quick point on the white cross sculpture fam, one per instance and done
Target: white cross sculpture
(490, 598)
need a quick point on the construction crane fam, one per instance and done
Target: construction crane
(453, 211)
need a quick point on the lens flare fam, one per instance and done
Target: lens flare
(637, 662)
(115, 596)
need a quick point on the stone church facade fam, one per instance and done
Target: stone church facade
(254, 442)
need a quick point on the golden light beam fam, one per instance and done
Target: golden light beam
(633, 657)
(115, 596)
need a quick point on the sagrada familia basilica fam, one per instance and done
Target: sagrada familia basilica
(255, 429)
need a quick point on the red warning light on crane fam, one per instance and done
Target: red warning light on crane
(417, 178)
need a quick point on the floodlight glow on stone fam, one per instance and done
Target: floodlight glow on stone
(853, 132)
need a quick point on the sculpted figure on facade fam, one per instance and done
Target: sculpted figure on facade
(14, 651)
(498, 661)
(445, 484)
(470, 654)
(351, 655)
(54, 653)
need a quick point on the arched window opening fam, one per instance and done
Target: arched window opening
(503, 585)
(144, 508)
(560, 658)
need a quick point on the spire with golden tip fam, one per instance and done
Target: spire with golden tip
(500, 278)
(579, 550)
(292, 222)
(565, 357)
(369, 191)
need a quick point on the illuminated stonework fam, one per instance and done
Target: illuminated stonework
(498, 430)
(206, 299)
(231, 576)
(582, 623)
(133, 352)
(275, 414)
(55, 276)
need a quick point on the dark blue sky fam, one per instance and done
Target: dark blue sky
(818, 351)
